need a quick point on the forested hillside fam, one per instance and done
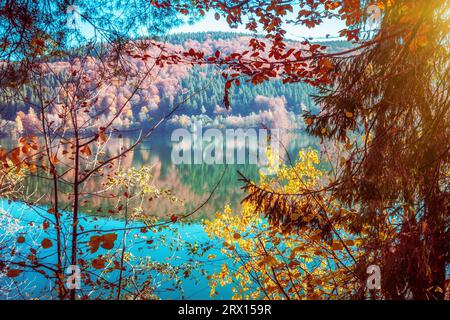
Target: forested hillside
(201, 87)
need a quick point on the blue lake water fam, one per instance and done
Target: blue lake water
(174, 252)
(182, 248)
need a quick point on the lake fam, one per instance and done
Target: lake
(183, 246)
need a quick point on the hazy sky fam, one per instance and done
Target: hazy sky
(209, 23)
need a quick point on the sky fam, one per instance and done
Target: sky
(210, 24)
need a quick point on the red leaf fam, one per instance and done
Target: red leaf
(54, 159)
(106, 241)
(46, 243)
(102, 136)
(12, 273)
(45, 224)
(14, 156)
(86, 151)
(98, 263)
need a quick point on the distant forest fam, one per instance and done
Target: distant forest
(204, 86)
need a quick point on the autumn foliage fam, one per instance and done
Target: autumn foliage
(376, 193)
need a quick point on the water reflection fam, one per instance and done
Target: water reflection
(191, 183)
